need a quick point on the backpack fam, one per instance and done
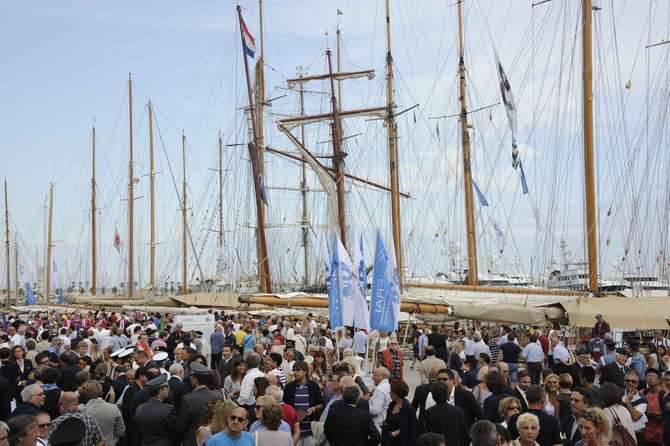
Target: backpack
(620, 435)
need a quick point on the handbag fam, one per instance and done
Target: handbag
(620, 435)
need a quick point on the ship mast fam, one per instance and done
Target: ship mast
(184, 222)
(391, 128)
(17, 284)
(303, 189)
(47, 285)
(94, 264)
(338, 156)
(472, 277)
(589, 159)
(152, 202)
(220, 254)
(254, 150)
(130, 282)
(9, 285)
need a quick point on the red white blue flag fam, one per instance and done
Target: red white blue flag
(248, 41)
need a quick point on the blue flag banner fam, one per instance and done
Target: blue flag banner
(361, 310)
(482, 198)
(385, 299)
(334, 298)
(524, 184)
(61, 297)
(326, 260)
(30, 297)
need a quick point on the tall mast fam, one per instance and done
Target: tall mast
(220, 253)
(263, 259)
(589, 159)
(259, 100)
(130, 282)
(152, 202)
(47, 285)
(472, 277)
(391, 128)
(94, 264)
(17, 283)
(9, 285)
(303, 190)
(338, 158)
(338, 35)
(184, 222)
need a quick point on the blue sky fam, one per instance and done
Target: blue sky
(67, 62)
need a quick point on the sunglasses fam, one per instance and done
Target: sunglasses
(631, 381)
(577, 400)
(236, 418)
(43, 425)
(514, 408)
(443, 379)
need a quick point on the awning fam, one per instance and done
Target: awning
(620, 312)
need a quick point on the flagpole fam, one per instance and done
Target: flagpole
(130, 283)
(16, 265)
(152, 202)
(94, 264)
(263, 259)
(184, 220)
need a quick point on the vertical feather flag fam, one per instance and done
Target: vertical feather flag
(341, 289)
(362, 312)
(385, 299)
(30, 296)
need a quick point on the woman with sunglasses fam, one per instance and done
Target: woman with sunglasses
(507, 408)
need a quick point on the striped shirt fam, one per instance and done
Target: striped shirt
(301, 405)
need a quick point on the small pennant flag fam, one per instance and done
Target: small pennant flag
(524, 184)
(117, 241)
(482, 199)
(248, 41)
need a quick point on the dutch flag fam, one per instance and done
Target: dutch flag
(248, 41)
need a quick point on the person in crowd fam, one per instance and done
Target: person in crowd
(550, 432)
(4, 434)
(346, 424)
(484, 433)
(246, 396)
(579, 400)
(189, 414)
(594, 427)
(553, 404)
(304, 395)
(614, 372)
(635, 403)
(587, 378)
(233, 381)
(445, 418)
(69, 408)
(615, 412)
(534, 357)
(32, 399)
(431, 362)
(481, 390)
(528, 426)
(499, 391)
(43, 424)
(23, 430)
(204, 431)
(521, 388)
(270, 429)
(653, 429)
(507, 408)
(178, 388)
(400, 425)
(381, 396)
(228, 356)
(235, 434)
(107, 415)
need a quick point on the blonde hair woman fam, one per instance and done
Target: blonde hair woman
(594, 427)
(481, 392)
(552, 405)
(507, 408)
(528, 426)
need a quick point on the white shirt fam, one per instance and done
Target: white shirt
(247, 397)
(469, 345)
(640, 407)
(379, 403)
(533, 352)
(18, 339)
(561, 354)
(300, 343)
(360, 341)
(481, 347)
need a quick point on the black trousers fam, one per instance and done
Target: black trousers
(535, 371)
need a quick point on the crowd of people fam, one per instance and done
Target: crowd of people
(139, 378)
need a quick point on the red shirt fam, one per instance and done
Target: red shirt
(289, 415)
(544, 342)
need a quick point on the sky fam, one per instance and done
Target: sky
(67, 65)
